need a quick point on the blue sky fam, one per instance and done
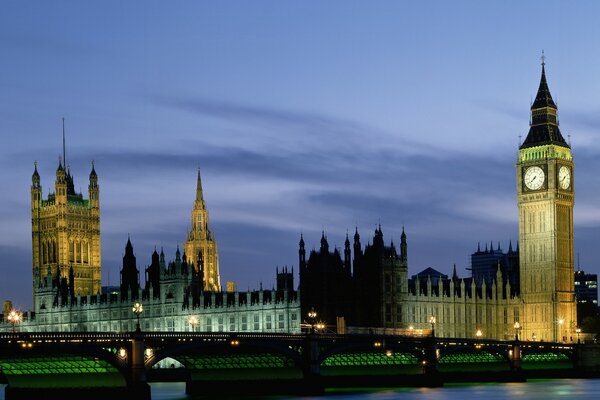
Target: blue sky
(304, 116)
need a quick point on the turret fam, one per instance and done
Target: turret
(403, 248)
(153, 276)
(347, 254)
(324, 244)
(61, 184)
(130, 275)
(378, 237)
(301, 253)
(36, 188)
(94, 189)
(357, 251)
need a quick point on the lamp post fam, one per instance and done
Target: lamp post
(137, 309)
(312, 316)
(193, 320)
(14, 318)
(479, 334)
(411, 330)
(578, 331)
(432, 322)
(517, 326)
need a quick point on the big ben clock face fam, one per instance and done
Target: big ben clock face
(564, 177)
(534, 178)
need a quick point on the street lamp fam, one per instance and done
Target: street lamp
(411, 330)
(517, 327)
(534, 337)
(193, 320)
(479, 334)
(578, 331)
(312, 316)
(14, 318)
(432, 322)
(137, 309)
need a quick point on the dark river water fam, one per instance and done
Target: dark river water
(532, 390)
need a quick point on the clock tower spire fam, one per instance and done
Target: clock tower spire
(546, 196)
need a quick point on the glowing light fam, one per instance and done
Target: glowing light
(193, 321)
(14, 318)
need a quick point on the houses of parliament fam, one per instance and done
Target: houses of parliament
(363, 288)
(370, 286)
(183, 294)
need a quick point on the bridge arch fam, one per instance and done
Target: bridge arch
(473, 357)
(30, 364)
(227, 359)
(374, 357)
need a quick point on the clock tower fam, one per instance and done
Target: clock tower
(545, 196)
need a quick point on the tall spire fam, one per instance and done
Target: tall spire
(544, 128)
(199, 196)
(64, 145)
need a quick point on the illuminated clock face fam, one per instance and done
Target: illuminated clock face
(564, 177)
(534, 178)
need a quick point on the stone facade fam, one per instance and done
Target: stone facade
(182, 295)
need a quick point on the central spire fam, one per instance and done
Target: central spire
(199, 196)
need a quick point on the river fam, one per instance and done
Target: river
(532, 390)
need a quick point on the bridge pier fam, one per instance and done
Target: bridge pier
(312, 365)
(516, 359)
(431, 374)
(138, 385)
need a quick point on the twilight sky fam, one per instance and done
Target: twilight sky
(303, 116)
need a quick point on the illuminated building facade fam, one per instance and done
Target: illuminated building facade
(491, 300)
(65, 231)
(173, 300)
(181, 295)
(545, 196)
(200, 239)
(378, 294)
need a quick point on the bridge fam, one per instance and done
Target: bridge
(100, 364)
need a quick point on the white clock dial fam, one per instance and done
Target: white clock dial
(534, 178)
(564, 177)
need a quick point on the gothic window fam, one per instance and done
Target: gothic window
(78, 252)
(269, 323)
(256, 322)
(388, 313)
(281, 323)
(71, 251)
(44, 252)
(85, 250)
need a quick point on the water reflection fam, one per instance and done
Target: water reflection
(532, 390)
